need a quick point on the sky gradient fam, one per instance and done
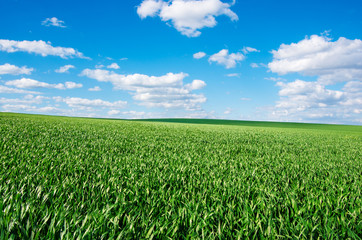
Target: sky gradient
(248, 60)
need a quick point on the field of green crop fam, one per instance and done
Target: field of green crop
(78, 178)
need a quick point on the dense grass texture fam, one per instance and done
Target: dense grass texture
(328, 127)
(78, 178)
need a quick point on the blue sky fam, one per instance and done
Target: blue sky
(250, 60)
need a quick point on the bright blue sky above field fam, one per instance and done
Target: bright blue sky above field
(244, 59)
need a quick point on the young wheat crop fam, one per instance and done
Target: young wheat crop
(69, 178)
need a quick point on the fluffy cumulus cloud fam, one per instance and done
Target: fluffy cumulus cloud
(150, 8)
(95, 89)
(199, 55)
(133, 81)
(31, 83)
(167, 91)
(224, 58)
(64, 69)
(14, 70)
(4, 89)
(113, 66)
(187, 16)
(71, 85)
(195, 85)
(53, 22)
(312, 101)
(354, 91)
(332, 61)
(300, 95)
(69, 106)
(113, 112)
(31, 109)
(28, 99)
(28, 103)
(90, 104)
(38, 47)
(99, 66)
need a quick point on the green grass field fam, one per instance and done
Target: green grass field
(79, 178)
(328, 127)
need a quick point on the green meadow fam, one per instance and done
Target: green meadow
(80, 178)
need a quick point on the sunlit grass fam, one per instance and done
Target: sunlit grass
(110, 179)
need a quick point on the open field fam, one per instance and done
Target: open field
(84, 178)
(328, 127)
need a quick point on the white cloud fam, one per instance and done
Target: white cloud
(95, 89)
(31, 83)
(167, 91)
(74, 106)
(4, 89)
(313, 92)
(135, 114)
(331, 61)
(254, 65)
(131, 82)
(16, 107)
(169, 98)
(113, 66)
(199, 55)
(195, 85)
(302, 100)
(247, 50)
(26, 104)
(224, 58)
(113, 112)
(354, 86)
(99, 66)
(228, 111)
(123, 59)
(200, 114)
(53, 22)
(71, 85)
(233, 75)
(353, 90)
(275, 79)
(187, 16)
(64, 69)
(38, 47)
(14, 70)
(28, 99)
(89, 104)
(150, 8)
(245, 99)
(32, 109)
